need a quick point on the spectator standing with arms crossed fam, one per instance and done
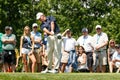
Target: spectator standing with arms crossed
(100, 46)
(50, 27)
(9, 42)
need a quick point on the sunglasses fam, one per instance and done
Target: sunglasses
(7, 29)
(112, 43)
(98, 29)
(35, 27)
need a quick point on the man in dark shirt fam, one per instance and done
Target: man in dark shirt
(50, 27)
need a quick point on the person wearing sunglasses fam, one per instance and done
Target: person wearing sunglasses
(37, 45)
(8, 46)
(111, 50)
(100, 47)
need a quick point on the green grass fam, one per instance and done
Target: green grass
(61, 76)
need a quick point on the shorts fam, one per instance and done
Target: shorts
(37, 54)
(26, 51)
(100, 58)
(117, 64)
(89, 59)
(65, 57)
(9, 57)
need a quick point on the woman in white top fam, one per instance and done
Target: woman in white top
(82, 60)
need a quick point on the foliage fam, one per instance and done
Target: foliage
(73, 14)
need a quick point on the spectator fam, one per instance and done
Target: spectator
(86, 41)
(115, 60)
(100, 45)
(37, 46)
(111, 51)
(50, 27)
(27, 49)
(44, 56)
(9, 42)
(1, 56)
(82, 60)
(0, 43)
(68, 53)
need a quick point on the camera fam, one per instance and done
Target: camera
(59, 36)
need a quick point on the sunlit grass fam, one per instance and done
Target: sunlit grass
(63, 76)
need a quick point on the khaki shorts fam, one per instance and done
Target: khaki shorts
(37, 54)
(65, 57)
(100, 58)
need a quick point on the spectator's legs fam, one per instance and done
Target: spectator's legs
(63, 67)
(103, 61)
(25, 62)
(111, 67)
(90, 61)
(13, 67)
(32, 57)
(103, 68)
(95, 62)
(5, 67)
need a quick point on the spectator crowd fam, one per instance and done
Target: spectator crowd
(57, 52)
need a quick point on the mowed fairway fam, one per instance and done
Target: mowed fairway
(65, 76)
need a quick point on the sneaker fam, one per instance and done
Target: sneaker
(45, 71)
(53, 71)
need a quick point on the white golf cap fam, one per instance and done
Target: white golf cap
(38, 15)
(98, 26)
(34, 24)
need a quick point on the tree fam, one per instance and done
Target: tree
(73, 14)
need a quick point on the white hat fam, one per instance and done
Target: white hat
(98, 26)
(34, 24)
(8, 28)
(38, 15)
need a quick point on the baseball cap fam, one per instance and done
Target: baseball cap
(34, 24)
(38, 15)
(98, 26)
(7, 28)
(84, 30)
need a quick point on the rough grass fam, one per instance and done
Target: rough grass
(63, 76)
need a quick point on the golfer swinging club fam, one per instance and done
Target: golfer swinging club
(50, 27)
